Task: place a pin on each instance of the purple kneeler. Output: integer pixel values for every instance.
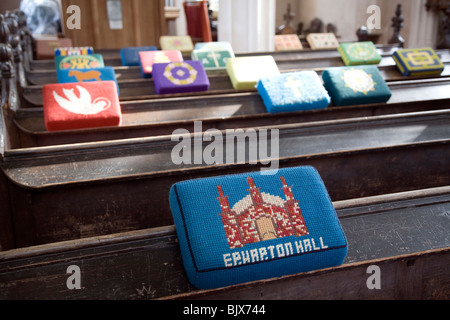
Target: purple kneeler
(180, 77)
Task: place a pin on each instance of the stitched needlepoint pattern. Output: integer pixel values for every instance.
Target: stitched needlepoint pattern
(261, 216)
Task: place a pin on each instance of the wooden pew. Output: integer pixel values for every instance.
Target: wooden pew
(112, 56)
(51, 185)
(51, 171)
(287, 60)
(285, 65)
(144, 118)
(133, 87)
(73, 191)
(404, 234)
(162, 116)
(62, 172)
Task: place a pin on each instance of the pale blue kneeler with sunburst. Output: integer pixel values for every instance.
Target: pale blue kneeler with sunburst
(246, 227)
(293, 91)
(355, 85)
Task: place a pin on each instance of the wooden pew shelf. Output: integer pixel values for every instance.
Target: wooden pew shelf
(240, 110)
(146, 264)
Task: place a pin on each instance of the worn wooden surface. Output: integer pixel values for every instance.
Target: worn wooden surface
(59, 190)
(138, 89)
(143, 23)
(298, 139)
(407, 277)
(405, 234)
(51, 188)
(132, 85)
(239, 110)
(72, 191)
(112, 56)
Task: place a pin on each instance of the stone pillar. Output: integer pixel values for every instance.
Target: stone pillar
(248, 25)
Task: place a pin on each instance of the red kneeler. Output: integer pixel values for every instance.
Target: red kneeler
(69, 106)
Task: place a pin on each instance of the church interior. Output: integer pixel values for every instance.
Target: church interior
(225, 150)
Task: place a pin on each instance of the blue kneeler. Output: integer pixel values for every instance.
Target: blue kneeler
(246, 227)
(293, 91)
(87, 75)
(130, 55)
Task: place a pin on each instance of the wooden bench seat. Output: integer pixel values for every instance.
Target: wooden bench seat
(162, 116)
(104, 191)
(404, 234)
(72, 191)
(112, 56)
(127, 73)
(58, 181)
(136, 88)
(288, 64)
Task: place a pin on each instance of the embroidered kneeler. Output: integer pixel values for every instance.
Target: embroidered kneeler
(149, 58)
(87, 61)
(293, 91)
(322, 41)
(213, 55)
(359, 53)
(355, 85)
(87, 75)
(179, 77)
(418, 62)
(245, 72)
(70, 106)
(73, 51)
(245, 227)
(287, 42)
(181, 43)
(130, 55)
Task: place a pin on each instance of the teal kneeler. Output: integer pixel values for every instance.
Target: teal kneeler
(355, 85)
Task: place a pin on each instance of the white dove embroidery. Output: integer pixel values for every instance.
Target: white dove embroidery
(83, 104)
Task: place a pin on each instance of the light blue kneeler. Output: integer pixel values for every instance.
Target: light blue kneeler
(246, 227)
(293, 91)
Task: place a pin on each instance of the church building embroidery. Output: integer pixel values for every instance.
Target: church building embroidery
(261, 216)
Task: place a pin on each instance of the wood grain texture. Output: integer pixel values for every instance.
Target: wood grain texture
(404, 234)
(143, 24)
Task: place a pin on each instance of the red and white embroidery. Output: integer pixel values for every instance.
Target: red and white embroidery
(261, 216)
(81, 104)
